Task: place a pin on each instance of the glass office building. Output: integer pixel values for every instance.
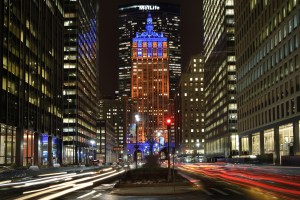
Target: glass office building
(31, 50)
(79, 89)
(220, 80)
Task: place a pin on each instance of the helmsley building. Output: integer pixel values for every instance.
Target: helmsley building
(150, 81)
(31, 51)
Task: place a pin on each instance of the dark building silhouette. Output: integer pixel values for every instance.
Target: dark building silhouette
(31, 50)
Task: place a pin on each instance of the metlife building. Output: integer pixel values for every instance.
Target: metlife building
(132, 19)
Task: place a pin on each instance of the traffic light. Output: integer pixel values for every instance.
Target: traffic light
(168, 122)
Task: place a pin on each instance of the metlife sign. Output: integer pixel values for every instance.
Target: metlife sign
(143, 7)
(148, 7)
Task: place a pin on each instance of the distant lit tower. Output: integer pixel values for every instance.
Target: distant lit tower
(79, 90)
(132, 19)
(150, 80)
(190, 111)
(220, 79)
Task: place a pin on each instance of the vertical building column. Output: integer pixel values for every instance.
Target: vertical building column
(262, 143)
(50, 154)
(296, 144)
(36, 159)
(276, 156)
(59, 150)
(240, 146)
(250, 144)
(19, 146)
(76, 152)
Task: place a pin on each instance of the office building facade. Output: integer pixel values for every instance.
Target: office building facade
(79, 90)
(114, 112)
(149, 81)
(106, 143)
(132, 19)
(31, 50)
(220, 80)
(268, 78)
(191, 112)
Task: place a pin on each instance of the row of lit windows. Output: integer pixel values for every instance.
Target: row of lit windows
(264, 34)
(275, 77)
(280, 93)
(283, 51)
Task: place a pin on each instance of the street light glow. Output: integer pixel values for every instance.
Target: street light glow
(92, 142)
(137, 118)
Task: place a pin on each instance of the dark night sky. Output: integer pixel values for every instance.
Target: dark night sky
(191, 34)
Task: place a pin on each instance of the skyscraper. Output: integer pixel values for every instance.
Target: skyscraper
(31, 50)
(149, 80)
(79, 90)
(220, 79)
(190, 111)
(268, 78)
(132, 19)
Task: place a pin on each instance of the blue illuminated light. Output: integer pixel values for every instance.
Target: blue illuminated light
(149, 36)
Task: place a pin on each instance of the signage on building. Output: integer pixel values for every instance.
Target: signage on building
(148, 7)
(142, 7)
(118, 148)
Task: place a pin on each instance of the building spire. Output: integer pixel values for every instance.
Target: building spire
(149, 25)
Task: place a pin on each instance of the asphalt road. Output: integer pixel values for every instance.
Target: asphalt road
(101, 186)
(205, 189)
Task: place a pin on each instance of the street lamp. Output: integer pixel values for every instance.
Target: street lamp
(168, 122)
(92, 142)
(137, 119)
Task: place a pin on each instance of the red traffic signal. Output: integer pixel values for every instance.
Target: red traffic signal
(168, 121)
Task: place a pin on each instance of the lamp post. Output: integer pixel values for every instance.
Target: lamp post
(137, 119)
(168, 122)
(93, 150)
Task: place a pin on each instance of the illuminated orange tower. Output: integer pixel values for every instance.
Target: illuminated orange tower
(149, 81)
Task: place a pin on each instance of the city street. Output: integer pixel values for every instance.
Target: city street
(209, 181)
(55, 185)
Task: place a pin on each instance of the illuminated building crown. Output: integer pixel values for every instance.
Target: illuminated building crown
(149, 33)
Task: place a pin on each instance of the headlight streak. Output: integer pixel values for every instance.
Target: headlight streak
(69, 184)
(45, 180)
(5, 182)
(56, 195)
(87, 194)
(52, 174)
(263, 181)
